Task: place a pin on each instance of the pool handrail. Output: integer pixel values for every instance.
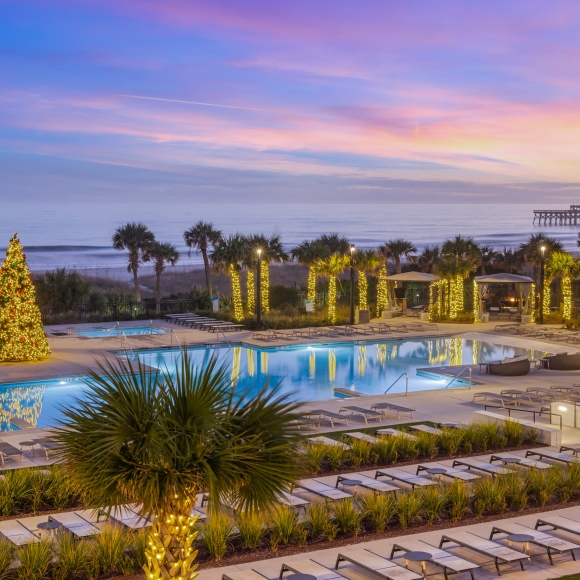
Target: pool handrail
(459, 374)
(396, 380)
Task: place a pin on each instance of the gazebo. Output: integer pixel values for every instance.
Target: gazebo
(524, 287)
(407, 277)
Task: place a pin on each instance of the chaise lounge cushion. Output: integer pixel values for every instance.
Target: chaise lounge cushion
(564, 362)
(510, 368)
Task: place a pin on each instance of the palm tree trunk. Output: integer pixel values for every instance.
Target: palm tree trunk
(265, 287)
(567, 297)
(382, 290)
(171, 552)
(158, 293)
(332, 299)
(362, 290)
(312, 286)
(207, 271)
(398, 264)
(135, 268)
(236, 294)
(251, 291)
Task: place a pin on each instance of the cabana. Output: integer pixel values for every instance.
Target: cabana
(525, 288)
(407, 277)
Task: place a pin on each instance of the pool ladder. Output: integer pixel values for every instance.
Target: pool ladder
(458, 375)
(397, 380)
(126, 346)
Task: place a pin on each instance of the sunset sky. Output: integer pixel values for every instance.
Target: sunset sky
(272, 100)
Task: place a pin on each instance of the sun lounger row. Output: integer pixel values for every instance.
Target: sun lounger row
(396, 565)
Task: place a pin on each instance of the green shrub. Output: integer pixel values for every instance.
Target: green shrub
(570, 483)
(215, 533)
(250, 528)
(283, 526)
(457, 500)
(379, 509)
(407, 448)
(360, 453)
(514, 432)
(318, 517)
(72, 557)
(336, 456)
(348, 516)
(433, 502)
(109, 548)
(35, 560)
(489, 495)
(450, 440)
(427, 444)
(139, 543)
(516, 490)
(408, 508)
(543, 483)
(6, 558)
(314, 456)
(385, 450)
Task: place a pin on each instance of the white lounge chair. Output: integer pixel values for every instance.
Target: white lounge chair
(321, 489)
(395, 433)
(17, 533)
(78, 526)
(328, 441)
(311, 567)
(376, 565)
(488, 468)
(404, 476)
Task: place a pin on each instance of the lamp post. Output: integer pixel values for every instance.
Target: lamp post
(258, 286)
(351, 284)
(542, 249)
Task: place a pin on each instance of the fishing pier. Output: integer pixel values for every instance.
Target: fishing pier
(558, 217)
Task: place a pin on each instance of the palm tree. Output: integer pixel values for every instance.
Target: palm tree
(488, 258)
(159, 438)
(136, 238)
(308, 253)
(335, 244)
(272, 251)
(564, 265)
(395, 249)
(428, 258)
(227, 257)
(161, 254)
(382, 293)
(510, 261)
(364, 261)
(201, 236)
(332, 267)
(454, 269)
(532, 250)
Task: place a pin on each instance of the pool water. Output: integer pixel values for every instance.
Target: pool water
(305, 372)
(114, 331)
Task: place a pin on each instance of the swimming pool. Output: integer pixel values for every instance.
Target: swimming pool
(306, 372)
(104, 332)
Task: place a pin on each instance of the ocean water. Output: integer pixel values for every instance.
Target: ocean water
(79, 236)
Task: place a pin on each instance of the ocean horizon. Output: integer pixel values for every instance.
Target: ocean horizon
(79, 237)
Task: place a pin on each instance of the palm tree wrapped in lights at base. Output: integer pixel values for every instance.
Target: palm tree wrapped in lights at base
(332, 267)
(159, 438)
(228, 257)
(364, 261)
(309, 253)
(564, 265)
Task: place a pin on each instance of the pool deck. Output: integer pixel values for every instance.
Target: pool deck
(73, 355)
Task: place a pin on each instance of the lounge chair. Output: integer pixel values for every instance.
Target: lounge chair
(47, 445)
(7, 451)
(510, 367)
(551, 544)
(553, 455)
(380, 328)
(450, 563)
(74, 523)
(344, 330)
(376, 565)
(322, 414)
(366, 413)
(265, 336)
(305, 421)
(290, 500)
(398, 328)
(559, 523)
(328, 441)
(401, 475)
(126, 517)
(488, 468)
(421, 326)
(362, 437)
(21, 423)
(392, 407)
(243, 575)
(329, 331)
(389, 432)
(531, 397)
(426, 429)
(17, 533)
(321, 489)
(522, 461)
(287, 335)
(310, 567)
(461, 474)
(498, 553)
(503, 399)
(308, 332)
(370, 483)
(361, 329)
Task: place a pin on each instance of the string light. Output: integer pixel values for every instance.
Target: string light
(251, 289)
(382, 290)
(22, 337)
(547, 297)
(312, 364)
(251, 362)
(332, 299)
(533, 308)
(475, 302)
(363, 287)
(236, 294)
(567, 297)
(312, 285)
(455, 296)
(265, 287)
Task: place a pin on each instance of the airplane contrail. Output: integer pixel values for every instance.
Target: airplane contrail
(223, 106)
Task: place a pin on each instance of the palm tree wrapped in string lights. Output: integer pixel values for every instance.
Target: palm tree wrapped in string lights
(309, 253)
(332, 267)
(364, 261)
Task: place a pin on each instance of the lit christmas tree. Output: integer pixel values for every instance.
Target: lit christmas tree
(22, 336)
